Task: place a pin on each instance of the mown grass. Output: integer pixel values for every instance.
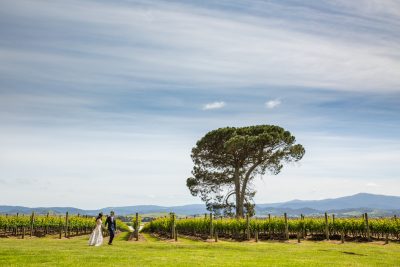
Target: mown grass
(154, 252)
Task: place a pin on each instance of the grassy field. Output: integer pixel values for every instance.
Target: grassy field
(153, 252)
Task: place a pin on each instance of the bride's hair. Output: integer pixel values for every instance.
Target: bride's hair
(100, 215)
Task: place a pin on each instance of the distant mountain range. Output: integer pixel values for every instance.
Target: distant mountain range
(375, 205)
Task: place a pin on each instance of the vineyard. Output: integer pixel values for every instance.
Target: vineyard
(142, 247)
(42, 225)
(279, 228)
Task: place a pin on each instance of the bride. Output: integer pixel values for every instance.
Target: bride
(96, 238)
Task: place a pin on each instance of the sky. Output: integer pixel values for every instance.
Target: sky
(102, 101)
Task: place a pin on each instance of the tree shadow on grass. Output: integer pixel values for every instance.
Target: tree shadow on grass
(353, 253)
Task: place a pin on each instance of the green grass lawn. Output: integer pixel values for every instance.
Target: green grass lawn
(153, 252)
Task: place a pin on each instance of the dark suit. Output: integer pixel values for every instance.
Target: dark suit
(112, 227)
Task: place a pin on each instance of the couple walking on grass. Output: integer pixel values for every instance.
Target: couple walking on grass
(96, 238)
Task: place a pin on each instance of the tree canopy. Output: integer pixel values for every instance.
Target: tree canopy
(227, 160)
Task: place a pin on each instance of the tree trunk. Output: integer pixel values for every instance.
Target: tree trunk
(239, 208)
(241, 205)
(242, 192)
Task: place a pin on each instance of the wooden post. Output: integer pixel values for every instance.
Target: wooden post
(256, 235)
(6, 228)
(60, 227)
(269, 226)
(367, 227)
(173, 225)
(15, 230)
(23, 229)
(137, 227)
(77, 228)
(66, 226)
(342, 236)
(211, 225)
(386, 238)
(286, 227)
(46, 229)
(326, 226)
(303, 228)
(298, 237)
(333, 223)
(216, 235)
(248, 226)
(32, 222)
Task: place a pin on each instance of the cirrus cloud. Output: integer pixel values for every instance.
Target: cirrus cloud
(271, 104)
(214, 105)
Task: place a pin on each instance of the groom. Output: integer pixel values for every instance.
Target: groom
(111, 226)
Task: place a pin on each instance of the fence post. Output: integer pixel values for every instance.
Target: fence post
(286, 227)
(248, 226)
(367, 227)
(6, 227)
(256, 235)
(78, 228)
(211, 225)
(269, 226)
(137, 227)
(173, 225)
(32, 222)
(23, 232)
(46, 229)
(342, 236)
(60, 227)
(16, 228)
(66, 226)
(326, 226)
(175, 231)
(216, 235)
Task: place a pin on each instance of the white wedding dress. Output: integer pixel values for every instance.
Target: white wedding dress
(96, 238)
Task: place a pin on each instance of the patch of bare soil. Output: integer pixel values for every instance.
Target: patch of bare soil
(132, 237)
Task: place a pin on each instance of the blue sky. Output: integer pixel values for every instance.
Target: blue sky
(102, 101)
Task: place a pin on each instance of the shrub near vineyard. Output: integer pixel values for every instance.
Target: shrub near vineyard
(274, 227)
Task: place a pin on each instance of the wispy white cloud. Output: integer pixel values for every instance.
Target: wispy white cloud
(371, 184)
(186, 44)
(271, 104)
(214, 105)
